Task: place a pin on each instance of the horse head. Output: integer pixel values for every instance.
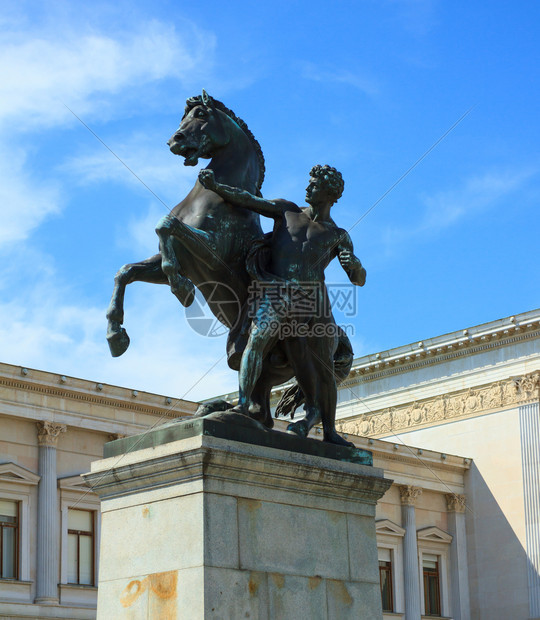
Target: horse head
(202, 131)
(207, 128)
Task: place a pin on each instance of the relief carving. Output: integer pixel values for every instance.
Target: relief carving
(505, 393)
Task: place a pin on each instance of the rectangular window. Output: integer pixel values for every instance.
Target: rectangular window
(9, 539)
(432, 589)
(385, 576)
(80, 547)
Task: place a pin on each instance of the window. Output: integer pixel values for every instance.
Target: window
(9, 539)
(433, 551)
(79, 539)
(80, 547)
(385, 576)
(390, 550)
(432, 588)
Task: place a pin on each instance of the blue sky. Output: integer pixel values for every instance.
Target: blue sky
(367, 87)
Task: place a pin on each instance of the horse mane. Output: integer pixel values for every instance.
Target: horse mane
(198, 100)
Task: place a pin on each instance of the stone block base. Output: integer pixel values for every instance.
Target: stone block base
(206, 527)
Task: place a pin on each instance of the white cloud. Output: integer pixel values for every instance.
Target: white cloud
(446, 208)
(44, 322)
(68, 60)
(480, 192)
(24, 200)
(39, 71)
(40, 329)
(318, 73)
(156, 168)
(151, 162)
(141, 235)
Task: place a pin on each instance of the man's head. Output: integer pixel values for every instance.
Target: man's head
(325, 180)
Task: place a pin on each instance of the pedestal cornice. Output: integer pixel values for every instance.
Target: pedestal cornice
(209, 460)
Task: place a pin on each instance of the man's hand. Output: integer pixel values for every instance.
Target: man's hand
(353, 267)
(207, 179)
(348, 260)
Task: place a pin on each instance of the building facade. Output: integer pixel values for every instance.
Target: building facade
(473, 392)
(453, 421)
(51, 428)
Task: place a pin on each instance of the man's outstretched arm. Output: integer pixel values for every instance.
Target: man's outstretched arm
(350, 263)
(240, 197)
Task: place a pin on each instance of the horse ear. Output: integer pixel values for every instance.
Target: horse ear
(205, 97)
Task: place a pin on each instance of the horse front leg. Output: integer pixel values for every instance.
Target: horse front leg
(148, 270)
(181, 286)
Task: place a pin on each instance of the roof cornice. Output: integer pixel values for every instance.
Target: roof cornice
(60, 386)
(488, 336)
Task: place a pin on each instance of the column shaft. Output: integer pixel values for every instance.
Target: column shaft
(48, 551)
(410, 562)
(459, 574)
(47, 534)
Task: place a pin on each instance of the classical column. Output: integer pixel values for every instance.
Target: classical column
(48, 552)
(529, 416)
(459, 574)
(411, 577)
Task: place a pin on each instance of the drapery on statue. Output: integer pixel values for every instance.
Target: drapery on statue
(206, 239)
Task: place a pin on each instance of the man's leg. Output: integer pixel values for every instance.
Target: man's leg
(259, 341)
(314, 371)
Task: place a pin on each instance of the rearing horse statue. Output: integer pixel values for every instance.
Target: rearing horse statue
(211, 238)
(204, 239)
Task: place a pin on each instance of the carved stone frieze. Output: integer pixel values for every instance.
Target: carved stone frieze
(505, 393)
(48, 433)
(409, 494)
(455, 503)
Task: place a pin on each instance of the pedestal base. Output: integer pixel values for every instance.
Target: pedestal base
(206, 527)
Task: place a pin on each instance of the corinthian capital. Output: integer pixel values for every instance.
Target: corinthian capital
(455, 503)
(408, 494)
(48, 433)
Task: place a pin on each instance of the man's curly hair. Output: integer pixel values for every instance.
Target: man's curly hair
(332, 177)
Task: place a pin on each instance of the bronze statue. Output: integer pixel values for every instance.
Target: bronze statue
(212, 238)
(303, 243)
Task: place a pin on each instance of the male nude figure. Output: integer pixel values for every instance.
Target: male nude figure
(304, 242)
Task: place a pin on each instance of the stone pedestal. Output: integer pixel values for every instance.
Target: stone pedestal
(207, 527)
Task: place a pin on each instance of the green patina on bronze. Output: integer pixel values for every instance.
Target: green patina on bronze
(214, 236)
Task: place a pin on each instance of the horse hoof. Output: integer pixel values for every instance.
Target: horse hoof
(118, 342)
(299, 428)
(184, 290)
